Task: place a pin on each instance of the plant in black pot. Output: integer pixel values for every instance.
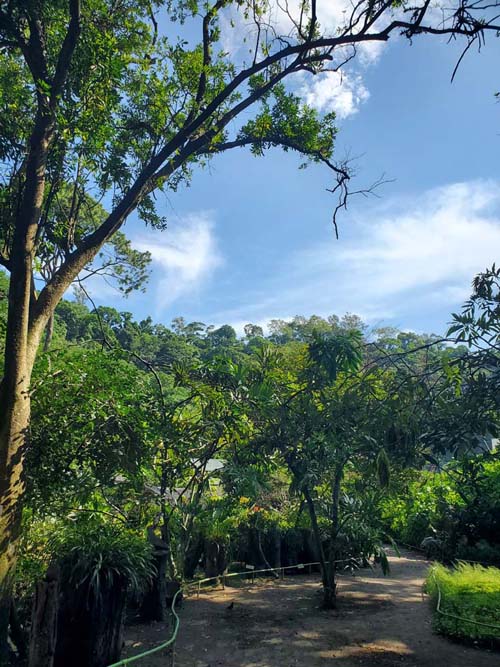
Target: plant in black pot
(100, 563)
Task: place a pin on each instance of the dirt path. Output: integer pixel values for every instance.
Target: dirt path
(381, 622)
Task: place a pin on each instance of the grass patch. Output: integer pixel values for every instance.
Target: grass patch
(469, 604)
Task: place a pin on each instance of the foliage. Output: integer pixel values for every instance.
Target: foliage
(103, 109)
(316, 428)
(459, 507)
(93, 553)
(479, 322)
(416, 513)
(35, 555)
(471, 593)
(92, 421)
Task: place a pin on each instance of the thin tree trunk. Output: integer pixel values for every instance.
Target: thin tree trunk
(339, 472)
(215, 558)
(49, 333)
(154, 604)
(263, 555)
(276, 538)
(330, 594)
(193, 555)
(166, 536)
(325, 571)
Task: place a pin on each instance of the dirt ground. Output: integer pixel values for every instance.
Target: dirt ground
(381, 622)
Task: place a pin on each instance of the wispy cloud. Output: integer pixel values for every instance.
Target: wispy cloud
(184, 257)
(441, 238)
(406, 257)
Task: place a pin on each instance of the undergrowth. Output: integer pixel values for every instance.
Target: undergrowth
(468, 593)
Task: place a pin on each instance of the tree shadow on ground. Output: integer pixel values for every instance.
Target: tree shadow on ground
(380, 621)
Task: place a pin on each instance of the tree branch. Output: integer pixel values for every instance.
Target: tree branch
(186, 143)
(66, 52)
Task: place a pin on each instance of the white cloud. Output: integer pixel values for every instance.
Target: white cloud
(341, 92)
(407, 258)
(184, 256)
(370, 52)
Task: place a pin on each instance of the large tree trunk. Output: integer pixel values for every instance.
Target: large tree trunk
(21, 342)
(20, 351)
(44, 621)
(90, 627)
(14, 424)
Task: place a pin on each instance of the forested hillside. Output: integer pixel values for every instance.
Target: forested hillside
(321, 440)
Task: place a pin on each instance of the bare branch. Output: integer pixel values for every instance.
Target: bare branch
(344, 175)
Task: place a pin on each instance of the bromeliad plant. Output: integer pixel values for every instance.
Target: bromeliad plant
(100, 563)
(96, 556)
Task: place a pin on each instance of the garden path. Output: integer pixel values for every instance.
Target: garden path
(381, 622)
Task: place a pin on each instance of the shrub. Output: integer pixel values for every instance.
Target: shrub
(92, 553)
(87, 550)
(483, 552)
(459, 507)
(422, 510)
(468, 597)
(100, 563)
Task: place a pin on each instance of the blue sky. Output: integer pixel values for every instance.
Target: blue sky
(251, 239)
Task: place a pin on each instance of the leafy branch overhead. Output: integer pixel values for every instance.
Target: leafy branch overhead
(120, 108)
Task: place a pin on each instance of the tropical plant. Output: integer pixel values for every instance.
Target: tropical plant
(99, 102)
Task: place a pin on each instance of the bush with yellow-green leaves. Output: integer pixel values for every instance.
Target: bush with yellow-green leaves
(466, 601)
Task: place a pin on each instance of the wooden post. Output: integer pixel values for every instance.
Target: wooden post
(154, 605)
(44, 620)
